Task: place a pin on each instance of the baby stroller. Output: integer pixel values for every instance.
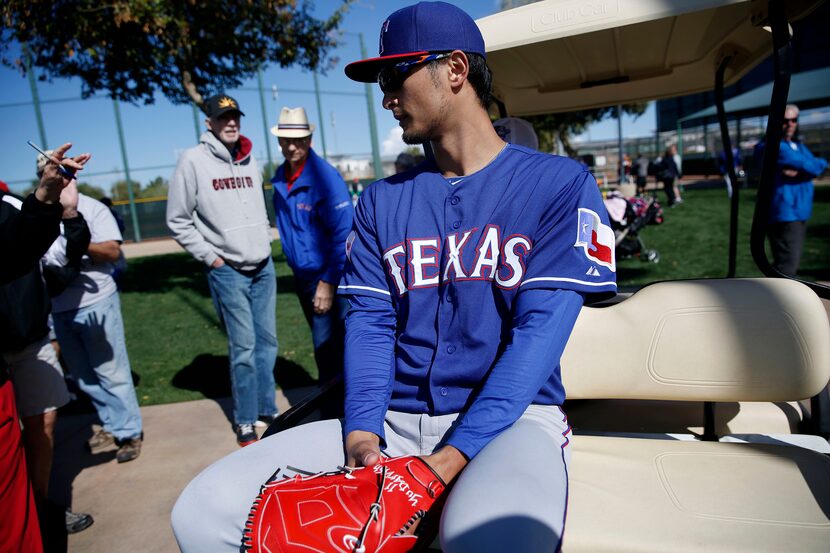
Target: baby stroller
(629, 217)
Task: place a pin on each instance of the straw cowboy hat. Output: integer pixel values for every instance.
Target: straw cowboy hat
(293, 123)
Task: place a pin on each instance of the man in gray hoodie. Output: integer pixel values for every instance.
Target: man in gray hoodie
(216, 211)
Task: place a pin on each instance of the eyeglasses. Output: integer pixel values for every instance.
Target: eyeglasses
(283, 140)
(791, 120)
(391, 78)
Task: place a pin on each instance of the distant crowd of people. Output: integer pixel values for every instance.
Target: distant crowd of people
(667, 169)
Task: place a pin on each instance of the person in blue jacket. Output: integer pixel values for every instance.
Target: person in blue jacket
(792, 202)
(314, 215)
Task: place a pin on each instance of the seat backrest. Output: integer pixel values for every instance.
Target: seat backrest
(702, 340)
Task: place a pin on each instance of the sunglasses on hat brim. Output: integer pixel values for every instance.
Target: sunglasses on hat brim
(391, 78)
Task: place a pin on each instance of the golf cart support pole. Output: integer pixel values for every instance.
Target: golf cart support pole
(709, 406)
(782, 54)
(730, 167)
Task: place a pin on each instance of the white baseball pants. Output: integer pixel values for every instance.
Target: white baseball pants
(511, 497)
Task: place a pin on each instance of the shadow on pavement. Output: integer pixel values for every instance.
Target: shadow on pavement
(209, 375)
(72, 430)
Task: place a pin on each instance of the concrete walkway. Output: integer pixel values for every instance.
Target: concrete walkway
(131, 502)
(160, 246)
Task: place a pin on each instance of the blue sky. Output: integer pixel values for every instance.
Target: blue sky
(155, 134)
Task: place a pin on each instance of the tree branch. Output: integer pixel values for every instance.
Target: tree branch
(190, 88)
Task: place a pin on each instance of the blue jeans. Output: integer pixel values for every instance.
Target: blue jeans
(327, 330)
(246, 303)
(93, 346)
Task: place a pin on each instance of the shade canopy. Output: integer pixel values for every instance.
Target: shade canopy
(807, 89)
(568, 55)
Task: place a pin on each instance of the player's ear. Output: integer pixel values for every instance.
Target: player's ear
(459, 68)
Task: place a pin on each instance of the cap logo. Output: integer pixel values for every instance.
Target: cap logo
(226, 102)
(383, 30)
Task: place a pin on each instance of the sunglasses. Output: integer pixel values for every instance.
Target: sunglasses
(791, 120)
(391, 78)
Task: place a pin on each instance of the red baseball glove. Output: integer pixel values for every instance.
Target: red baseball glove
(362, 510)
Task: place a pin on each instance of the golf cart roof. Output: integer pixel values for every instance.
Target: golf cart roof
(568, 55)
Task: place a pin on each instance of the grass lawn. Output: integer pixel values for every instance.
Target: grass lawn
(694, 240)
(179, 352)
(176, 346)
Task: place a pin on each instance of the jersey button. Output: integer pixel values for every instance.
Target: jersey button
(455, 200)
(444, 392)
(456, 224)
(450, 349)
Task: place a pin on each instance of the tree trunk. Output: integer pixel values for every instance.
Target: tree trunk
(190, 88)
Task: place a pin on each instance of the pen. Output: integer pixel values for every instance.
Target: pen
(61, 169)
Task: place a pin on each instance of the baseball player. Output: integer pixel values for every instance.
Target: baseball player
(465, 276)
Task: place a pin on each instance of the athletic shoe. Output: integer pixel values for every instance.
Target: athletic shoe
(100, 441)
(128, 450)
(245, 434)
(75, 522)
(264, 421)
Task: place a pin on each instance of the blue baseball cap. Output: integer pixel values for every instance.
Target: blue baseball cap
(416, 30)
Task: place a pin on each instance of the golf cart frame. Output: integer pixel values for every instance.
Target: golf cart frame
(752, 345)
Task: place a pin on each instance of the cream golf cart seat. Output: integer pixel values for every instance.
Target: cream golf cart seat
(757, 340)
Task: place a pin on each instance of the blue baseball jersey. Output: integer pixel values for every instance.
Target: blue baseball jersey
(450, 259)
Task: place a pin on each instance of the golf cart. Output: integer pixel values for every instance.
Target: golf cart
(699, 421)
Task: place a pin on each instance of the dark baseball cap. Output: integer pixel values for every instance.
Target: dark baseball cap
(219, 104)
(416, 30)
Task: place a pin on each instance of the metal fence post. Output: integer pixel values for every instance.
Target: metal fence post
(320, 114)
(620, 149)
(196, 112)
(133, 214)
(373, 130)
(264, 120)
(27, 56)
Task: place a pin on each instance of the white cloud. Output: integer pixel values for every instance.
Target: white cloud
(393, 144)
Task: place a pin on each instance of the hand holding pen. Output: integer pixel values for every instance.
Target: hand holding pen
(59, 173)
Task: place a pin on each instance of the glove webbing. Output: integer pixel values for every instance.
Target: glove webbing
(374, 510)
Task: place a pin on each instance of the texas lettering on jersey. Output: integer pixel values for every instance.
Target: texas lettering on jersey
(493, 259)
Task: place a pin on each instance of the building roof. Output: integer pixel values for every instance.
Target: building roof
(807, 89)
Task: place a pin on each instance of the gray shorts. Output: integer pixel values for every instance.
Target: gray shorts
(511, 497)
(37, 379)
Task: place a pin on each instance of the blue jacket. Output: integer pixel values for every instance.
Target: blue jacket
(314, 219)
(793, 198)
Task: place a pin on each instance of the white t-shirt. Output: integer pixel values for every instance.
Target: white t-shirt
(95, 281)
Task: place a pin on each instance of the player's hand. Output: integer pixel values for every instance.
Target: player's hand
(447, 462)
(69, 200)
(362, 449)
(218, 262)
(323, 297)
(792, 173)
(53, 182)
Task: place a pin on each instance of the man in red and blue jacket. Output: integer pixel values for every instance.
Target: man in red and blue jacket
(314, 215)
(792, 203)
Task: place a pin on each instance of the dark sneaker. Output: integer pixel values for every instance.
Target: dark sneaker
(75, 522)
(128, 450)
(264, 421)
(100, 441)
(245, 434)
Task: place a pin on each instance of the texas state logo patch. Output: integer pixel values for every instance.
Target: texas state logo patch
(596, 240)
